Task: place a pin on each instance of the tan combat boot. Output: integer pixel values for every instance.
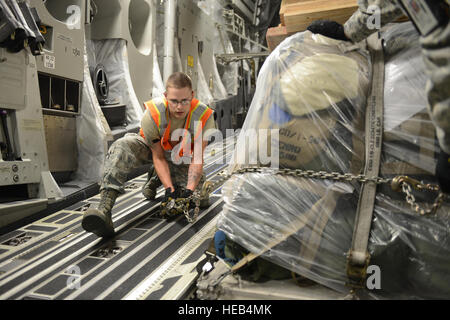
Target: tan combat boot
(152, 184)
(99, 220)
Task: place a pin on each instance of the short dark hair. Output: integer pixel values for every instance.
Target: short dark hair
(179, 80)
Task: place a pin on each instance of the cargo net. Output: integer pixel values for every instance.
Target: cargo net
(314, 90)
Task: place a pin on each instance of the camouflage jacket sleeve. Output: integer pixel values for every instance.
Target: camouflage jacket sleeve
(370, 17)
(435, 51)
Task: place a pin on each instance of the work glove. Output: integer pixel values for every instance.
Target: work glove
(168, 202)
(443, 172)
(174, 203)
(178, 205)
(328, 28)
(170, 195)
(185, 193)
(181, 199)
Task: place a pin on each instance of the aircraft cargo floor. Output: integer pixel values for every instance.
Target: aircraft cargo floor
(148, 258)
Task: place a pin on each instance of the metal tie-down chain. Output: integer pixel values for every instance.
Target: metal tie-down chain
(176, 206)
(399, 183)
(407, 184)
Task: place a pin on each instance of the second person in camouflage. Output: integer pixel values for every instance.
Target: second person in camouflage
(435, 52)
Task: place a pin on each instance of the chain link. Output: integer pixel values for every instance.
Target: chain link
(196, 200)
(411, 200)
(336, 176)
(399, 183)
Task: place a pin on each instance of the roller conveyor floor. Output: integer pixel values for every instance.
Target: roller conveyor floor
(148, 258)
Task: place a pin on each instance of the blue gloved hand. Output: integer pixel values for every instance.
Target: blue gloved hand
(328, 28)
(220, 241)
(443, 172)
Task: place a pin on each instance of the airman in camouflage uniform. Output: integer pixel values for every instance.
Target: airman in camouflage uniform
(132, 151)
(155, 145)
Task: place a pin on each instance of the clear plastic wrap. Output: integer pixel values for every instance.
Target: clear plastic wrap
(405, 75)
(410, 142)
(315, 93)
(220, 92)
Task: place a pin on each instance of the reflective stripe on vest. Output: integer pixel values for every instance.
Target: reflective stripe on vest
(155, 112)
(159, 113)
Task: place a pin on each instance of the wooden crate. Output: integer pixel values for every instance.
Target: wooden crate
(275, 36)
(297, 15)
(284, 7)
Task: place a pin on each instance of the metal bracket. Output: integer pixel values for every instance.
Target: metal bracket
(356, 273)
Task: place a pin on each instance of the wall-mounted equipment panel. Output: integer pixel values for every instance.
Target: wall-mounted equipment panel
(62, 26)
(13, 84)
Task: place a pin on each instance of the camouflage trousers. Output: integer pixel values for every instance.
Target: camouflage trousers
(131, 152)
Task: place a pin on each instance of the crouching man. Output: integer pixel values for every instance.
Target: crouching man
(172, 139)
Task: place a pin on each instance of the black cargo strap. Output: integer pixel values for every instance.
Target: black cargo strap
(358, 257)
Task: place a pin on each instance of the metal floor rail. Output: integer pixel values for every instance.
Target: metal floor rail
(148, 258)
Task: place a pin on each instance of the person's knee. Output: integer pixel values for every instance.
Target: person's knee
(124, 142)
(118, 145)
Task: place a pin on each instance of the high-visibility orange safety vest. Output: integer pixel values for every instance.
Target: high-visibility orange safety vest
(160, 114)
